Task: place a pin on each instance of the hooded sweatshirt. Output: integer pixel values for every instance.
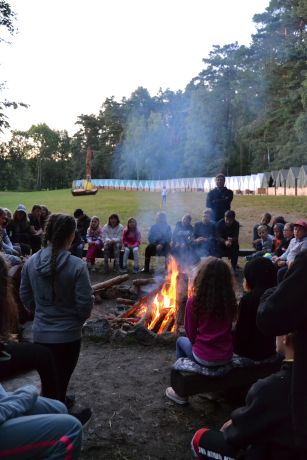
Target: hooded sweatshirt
(60, 311)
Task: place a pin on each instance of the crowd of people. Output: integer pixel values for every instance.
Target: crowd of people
(55, 290)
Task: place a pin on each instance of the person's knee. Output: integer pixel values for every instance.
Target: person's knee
(48, 406)
(196, 448)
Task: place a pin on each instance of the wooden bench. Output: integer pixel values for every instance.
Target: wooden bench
(246, 252)
(187, 383)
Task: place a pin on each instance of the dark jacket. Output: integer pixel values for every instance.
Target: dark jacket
(160, 234)
(83, 224)
(283, 310)
(263, 426)
(219, 200)
(247, 338)
(183, 235)
(224, 231)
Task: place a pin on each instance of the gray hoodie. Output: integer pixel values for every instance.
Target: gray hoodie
(59, 313)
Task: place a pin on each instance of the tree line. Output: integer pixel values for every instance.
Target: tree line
(245, 112)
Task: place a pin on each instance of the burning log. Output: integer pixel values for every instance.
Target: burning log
(112, 282)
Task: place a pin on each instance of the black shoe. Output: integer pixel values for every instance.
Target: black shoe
(70, 401)
(84, 416)
(145, 270)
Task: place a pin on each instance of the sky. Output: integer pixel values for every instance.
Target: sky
(70, 55)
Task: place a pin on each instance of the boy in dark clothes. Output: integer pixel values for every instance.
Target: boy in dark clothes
(204, 235)
(227, 232)
(259, 275)
(262, 429)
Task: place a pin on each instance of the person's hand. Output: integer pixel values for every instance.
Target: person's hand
(200, 239)
(226, 425)
(228, 243)
(274, 258)
(281, 263)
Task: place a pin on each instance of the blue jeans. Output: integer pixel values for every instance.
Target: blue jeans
(45, 432)
(184, 348)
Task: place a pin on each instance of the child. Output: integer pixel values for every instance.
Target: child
(259, 274)
(131, 241)
(278, 239)
(264, 243)
(264, 220)
(94, 239)
(208, 319)
(112, 236)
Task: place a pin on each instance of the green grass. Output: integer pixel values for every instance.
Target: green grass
(144, 205)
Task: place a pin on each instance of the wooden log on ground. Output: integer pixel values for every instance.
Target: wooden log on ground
(111, 282)
(143, 281)
(125, 301)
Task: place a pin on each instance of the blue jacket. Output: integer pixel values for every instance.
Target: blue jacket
(160, 234)
(60, 311)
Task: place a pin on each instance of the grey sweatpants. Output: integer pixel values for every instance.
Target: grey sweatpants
(46, 432)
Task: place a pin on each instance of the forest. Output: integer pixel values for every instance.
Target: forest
(245, 112)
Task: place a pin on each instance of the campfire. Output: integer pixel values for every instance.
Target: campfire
(159, 310)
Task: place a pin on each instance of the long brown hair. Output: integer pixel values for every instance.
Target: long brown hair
(213, 292)
(8, 306)
(58, 229)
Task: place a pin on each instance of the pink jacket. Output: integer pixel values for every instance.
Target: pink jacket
(211, 337)
(132, 240)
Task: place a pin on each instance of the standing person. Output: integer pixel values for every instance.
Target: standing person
(112, 235)
(131, 242)
(159, 238)
(56, 285)
(36, 228)
(227, 234)
(209, 314)
(94, 239)
(281, 311)
(164, 194)
(219, 199)
(205, 235)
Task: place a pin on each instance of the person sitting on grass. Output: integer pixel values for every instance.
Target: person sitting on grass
(112, 236)
(264, 243)
(131, 242)
(262, 429)
(94, 239)
(209, 315)
(264, 220)
(259, 275)
(159, 238)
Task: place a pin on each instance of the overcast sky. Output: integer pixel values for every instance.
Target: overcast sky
(69, 55)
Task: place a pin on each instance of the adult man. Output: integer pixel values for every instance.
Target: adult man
(262, 429)
(204, 235)
(227, 231)
(159, 238)
(219, 199)
(297, 244)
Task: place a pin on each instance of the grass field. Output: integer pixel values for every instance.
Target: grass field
(144, 205)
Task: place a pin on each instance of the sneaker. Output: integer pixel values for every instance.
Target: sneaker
(84, 416)
(172, 395)
(136, 270)
(145, 270)
(94, 269)
(123, 270)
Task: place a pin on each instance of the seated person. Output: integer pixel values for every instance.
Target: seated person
(6, 247)
(262, 429)
(264, 220)
(131, 242)
(204, 235)
(33, 427)
(209, 314)
(45, 213)
(36, 228)
(264, 243)
(183, 236)
(288, 235)
(259, 275)
(277, 220)
(112, 237)
(278, 238)
(159, 238)
(20, 229)
(94, 239)
(83, 223)
(227, 234)
(297, 244)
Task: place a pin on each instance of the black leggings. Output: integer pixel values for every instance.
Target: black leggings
(208, 444)
(27, 357)
(65, 357)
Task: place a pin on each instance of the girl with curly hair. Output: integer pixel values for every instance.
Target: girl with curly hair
(209, 315)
